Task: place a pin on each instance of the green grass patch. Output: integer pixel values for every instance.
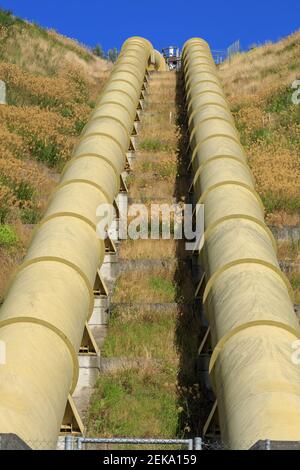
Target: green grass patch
(294, 66)
(133, 403)
(45, 152)
(147, 166)
(18, 96)
(147, 337)
(276, 202)
(30, 215)
(145, 287)
(279, 102)
(295, 282)
(67, 112)
(138, 400)
(261, 134)
(25, 191)
(8, 235)
(153, 145)
(79, 125)
(163, 286)
(161, 170)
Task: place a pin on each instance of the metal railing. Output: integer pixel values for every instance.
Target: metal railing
(77, 443)
(219, 56)
(233, 49)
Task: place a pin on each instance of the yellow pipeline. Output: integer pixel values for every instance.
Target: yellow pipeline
(247, 299)
(159, 62)
(51, 297)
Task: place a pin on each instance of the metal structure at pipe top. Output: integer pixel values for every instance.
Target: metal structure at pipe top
(51, 297)
(247, 299)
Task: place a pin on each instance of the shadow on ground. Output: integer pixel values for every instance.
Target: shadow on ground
(192, 400)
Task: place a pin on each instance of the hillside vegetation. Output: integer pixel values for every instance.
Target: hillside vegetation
(52, 83)
(259, 88)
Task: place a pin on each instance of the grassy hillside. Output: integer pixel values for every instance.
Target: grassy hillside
(258, 85)
(52, 84)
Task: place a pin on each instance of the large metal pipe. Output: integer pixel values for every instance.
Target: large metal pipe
(51, 297)
(159, 62)
(248, 301)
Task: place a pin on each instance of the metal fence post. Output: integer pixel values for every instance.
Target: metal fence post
(2, 92)
(68, 442)
(197, 443)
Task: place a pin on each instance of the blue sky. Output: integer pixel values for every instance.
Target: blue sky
(164, 23)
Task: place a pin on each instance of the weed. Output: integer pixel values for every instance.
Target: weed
(295, 282)
(79, 125)
(24, 191)
(67, 112)
(8, 235)
(30, 215)
(280, 101)
(261, 134)
(45, 152)
(275, 202)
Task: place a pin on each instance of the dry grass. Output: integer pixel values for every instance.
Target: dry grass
(155, 169)
(281, 218)
(147, 249)
(258, 71)
(47, 52)
(158, 132)
(52, 83)
(156, 286)
(289, 250)
(8, 263)
(258, 86)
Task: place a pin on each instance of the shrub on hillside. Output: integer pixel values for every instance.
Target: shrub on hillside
(8, 235)
(6, 18)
